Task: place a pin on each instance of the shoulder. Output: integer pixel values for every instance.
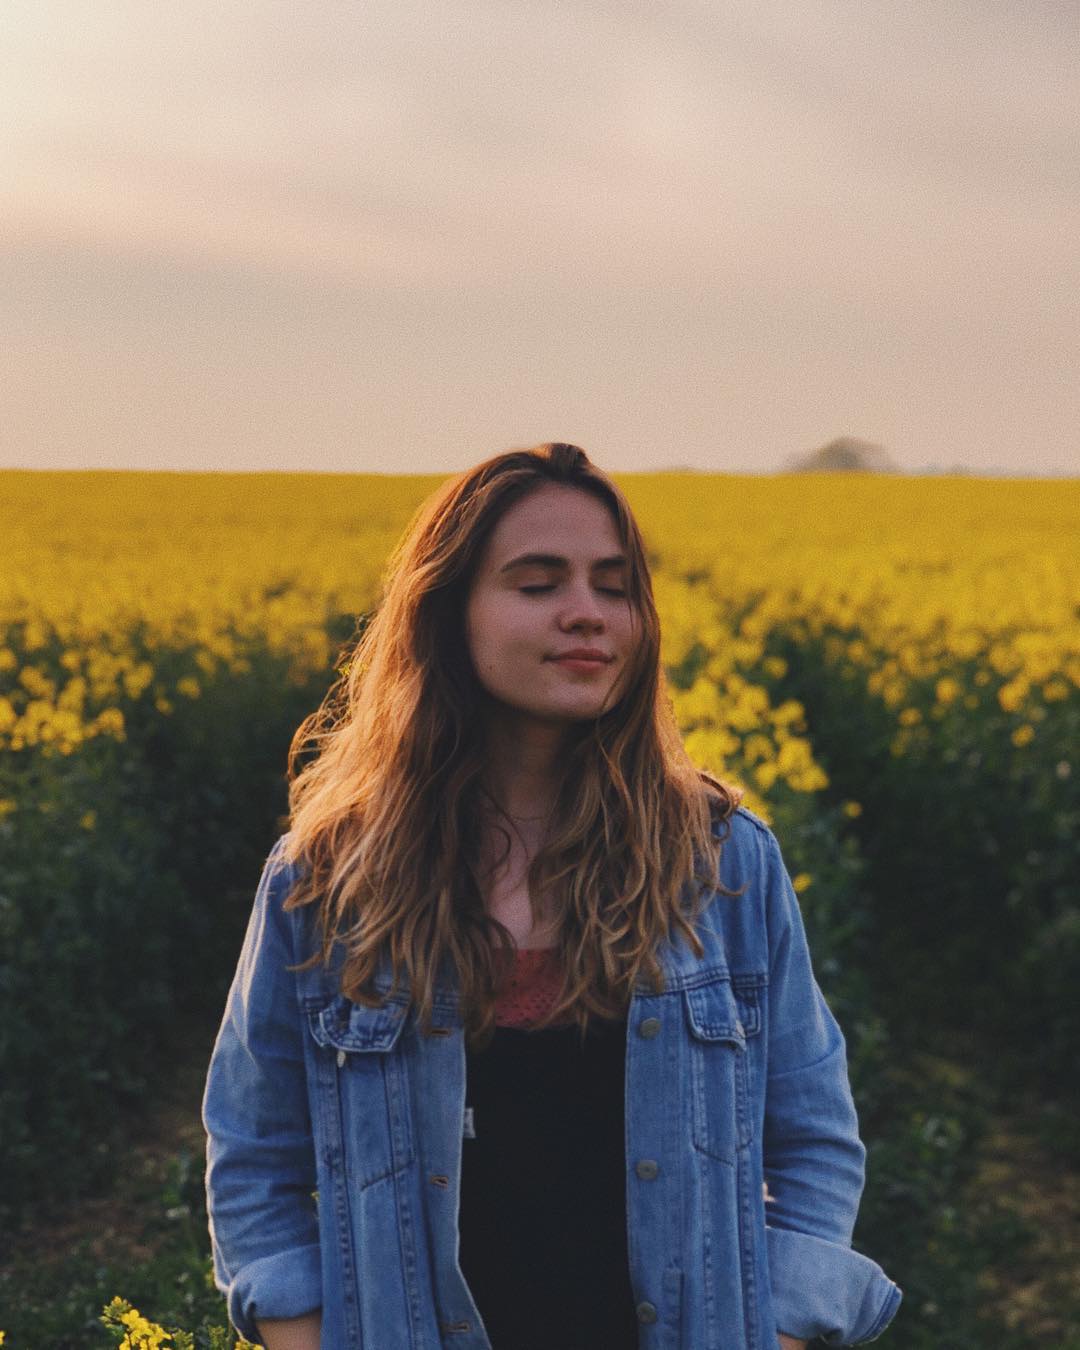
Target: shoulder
(762, 826)
(284, 865)
(749, 821)
(746, 840)
(280, 873)
(279, 851)
(298, 927)
(278, 877)
(740, 916)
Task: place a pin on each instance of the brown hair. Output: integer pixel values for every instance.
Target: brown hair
(386, 815)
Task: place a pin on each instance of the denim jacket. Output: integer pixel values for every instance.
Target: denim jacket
(334, 1140)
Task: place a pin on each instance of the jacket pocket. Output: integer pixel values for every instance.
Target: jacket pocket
(360, 1110)
(721, 1020)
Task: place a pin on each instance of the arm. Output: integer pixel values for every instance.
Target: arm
(260, 1156)
(813, 1157)
(295, 1333)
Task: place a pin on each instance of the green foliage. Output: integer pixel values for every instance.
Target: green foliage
(132, 1331)
(59, 1303)
(963, 949)
(972, 850)
(126, 874)
(945, 910)
(84, 994)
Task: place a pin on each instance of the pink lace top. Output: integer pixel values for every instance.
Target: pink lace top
(529, 989)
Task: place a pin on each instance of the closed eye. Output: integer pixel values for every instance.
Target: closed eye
(536, 590)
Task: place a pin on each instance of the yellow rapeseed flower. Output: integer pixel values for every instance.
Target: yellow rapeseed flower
(700, 704)
(1011, 695)
(801, 881)
(766, 774)
(946, 690)
(110, 722)
(1023, 735)
(36, 682)
(757, 747)
(858, 651)
(140, 1333)
(894, 691)
(788, 713)
(749, 708)
(711, 747)
(34, 636)
(101, 615)
(136, 679)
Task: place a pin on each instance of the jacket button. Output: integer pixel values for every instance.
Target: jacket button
(647, 1169)
(341, 1059)
(649, 1028)
(646, 1312)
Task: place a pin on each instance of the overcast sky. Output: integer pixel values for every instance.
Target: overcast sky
(391, 235)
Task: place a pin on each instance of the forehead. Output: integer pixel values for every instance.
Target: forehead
(554, 518)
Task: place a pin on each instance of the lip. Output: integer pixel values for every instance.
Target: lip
(582, 665)
(583, 655)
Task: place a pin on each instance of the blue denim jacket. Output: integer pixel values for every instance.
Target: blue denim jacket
(334, 1141)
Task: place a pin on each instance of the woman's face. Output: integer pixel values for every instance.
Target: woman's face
(552, 580)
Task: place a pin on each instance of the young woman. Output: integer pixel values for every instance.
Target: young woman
(524, 1048)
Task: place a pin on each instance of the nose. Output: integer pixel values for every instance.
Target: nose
(582, 609)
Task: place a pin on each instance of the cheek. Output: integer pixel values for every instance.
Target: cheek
(495, 637)
(632, 631)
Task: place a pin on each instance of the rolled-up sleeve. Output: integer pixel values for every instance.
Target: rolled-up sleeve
(260, 1160)
(814, 1160)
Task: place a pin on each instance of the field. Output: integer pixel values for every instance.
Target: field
(889, 666)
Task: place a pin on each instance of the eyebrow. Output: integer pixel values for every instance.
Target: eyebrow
(556, 560)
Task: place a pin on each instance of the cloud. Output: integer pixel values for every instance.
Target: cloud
(778, 193)
(482, 143)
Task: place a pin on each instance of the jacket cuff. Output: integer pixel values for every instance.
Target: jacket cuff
(287, 1284)
(824, 1289)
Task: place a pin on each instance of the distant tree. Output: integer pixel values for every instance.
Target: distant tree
(844, 454)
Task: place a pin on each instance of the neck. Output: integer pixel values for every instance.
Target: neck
(523, 767)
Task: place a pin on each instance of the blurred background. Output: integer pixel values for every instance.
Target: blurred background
(803, 278)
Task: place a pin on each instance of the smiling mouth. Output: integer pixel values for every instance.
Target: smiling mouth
(584, 664)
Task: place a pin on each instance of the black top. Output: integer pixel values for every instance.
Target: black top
(543, 1189)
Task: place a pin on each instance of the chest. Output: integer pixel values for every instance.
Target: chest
(608, 1150)
(505, 892)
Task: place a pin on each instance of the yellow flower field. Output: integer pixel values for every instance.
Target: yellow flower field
(808, 621)
(949, 584)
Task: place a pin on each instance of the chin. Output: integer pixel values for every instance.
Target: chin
(564, 713)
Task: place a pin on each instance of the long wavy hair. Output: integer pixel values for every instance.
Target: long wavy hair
(385, 815)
